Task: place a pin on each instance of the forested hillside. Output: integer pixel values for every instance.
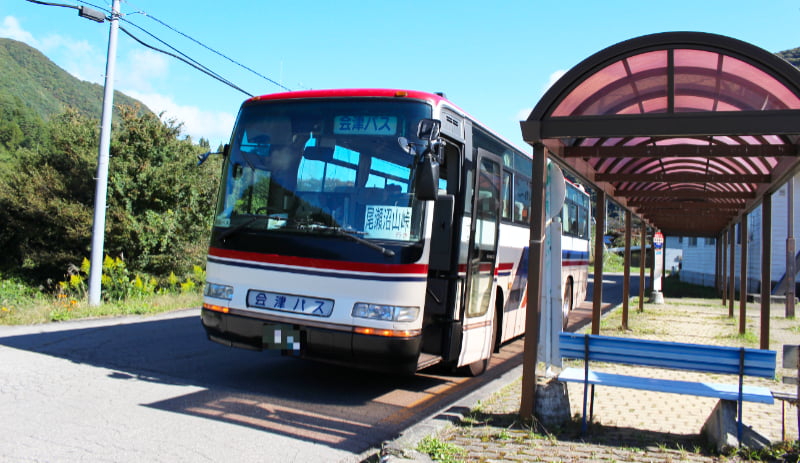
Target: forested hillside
(46, 88)
(792, 56)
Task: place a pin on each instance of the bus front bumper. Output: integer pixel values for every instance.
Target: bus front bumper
(344, 347)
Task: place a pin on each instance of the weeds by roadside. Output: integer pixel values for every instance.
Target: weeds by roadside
(122, 294)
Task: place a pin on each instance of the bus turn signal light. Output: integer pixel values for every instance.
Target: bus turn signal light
(217, 308)
(386, 333)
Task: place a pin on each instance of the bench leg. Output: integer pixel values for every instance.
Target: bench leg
(583, 422)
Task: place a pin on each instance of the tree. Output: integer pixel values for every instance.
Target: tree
(43, 198)
(159, 203)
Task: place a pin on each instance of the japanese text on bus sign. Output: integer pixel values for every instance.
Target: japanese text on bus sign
(388, 222)
(365, 125)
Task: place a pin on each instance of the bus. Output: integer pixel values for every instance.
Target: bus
(575, 216)
(375, 228)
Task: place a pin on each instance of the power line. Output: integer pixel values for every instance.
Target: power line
(186, 60)
(144, 13)
(215, 51)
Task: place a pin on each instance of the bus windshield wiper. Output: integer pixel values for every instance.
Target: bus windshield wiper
(351, 234)
(235, 229)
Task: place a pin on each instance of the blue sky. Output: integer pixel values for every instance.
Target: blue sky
(494, 61)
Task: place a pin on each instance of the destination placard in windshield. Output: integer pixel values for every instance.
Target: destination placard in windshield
(365, 125)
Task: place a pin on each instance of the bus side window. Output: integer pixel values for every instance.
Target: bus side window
(522, 199)
(506, 211)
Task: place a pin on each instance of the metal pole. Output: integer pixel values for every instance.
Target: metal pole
(791, 271)
(101, 187)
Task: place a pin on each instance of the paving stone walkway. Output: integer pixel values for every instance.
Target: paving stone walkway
(637, 426)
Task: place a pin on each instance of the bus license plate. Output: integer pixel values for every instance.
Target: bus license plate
(290, 303)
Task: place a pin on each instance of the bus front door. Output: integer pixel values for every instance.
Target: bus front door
(479, 315)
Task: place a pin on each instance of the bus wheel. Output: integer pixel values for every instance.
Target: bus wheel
(566, 306)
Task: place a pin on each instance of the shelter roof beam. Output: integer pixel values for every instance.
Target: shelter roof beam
(697, 195)
(692, 151)
(773, 122)
(683, 178)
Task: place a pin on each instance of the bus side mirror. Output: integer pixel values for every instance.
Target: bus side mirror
(429, 129)
(201, 158)
(426, 182)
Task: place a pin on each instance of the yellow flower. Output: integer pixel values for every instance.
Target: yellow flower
(6, 309)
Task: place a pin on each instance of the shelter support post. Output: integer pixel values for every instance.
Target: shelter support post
(626, 281)
(642, 262)
(743, 278)
(791, 271)
(600, 226)
(718, 264)
(535, 272)
(651, 285)
(766, 278)
(732, 276)
(724, 252)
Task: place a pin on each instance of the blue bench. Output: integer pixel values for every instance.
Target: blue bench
(671, 355)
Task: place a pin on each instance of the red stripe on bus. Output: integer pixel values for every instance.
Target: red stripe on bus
(319, 263)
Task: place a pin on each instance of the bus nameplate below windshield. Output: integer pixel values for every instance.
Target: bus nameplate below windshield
(290, 303)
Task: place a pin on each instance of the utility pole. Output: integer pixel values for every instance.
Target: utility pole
(101, 187)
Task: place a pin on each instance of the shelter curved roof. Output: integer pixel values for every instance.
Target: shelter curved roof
(689, 130)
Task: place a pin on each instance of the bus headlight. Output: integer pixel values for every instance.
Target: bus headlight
(218, 291)
(385, 312)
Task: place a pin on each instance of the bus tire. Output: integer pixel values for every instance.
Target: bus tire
(566, 305)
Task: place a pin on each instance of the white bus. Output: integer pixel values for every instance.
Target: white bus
(375, 228)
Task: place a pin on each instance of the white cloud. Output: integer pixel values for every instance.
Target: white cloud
(140, 68)
(523, 113)
(10, 28)
(553, 79)
(213, 126)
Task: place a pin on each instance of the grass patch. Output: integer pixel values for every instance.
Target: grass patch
(440, 450)
(123, 293)
(42, 309)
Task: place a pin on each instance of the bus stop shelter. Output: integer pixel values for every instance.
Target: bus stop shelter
(688, 131)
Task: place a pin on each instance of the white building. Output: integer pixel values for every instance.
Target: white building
(699, 254)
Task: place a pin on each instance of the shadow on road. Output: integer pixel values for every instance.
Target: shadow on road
(342, 408)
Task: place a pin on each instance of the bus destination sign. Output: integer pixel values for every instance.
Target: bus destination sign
(365, 125)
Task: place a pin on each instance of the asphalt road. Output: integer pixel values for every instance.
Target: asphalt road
(154, 389)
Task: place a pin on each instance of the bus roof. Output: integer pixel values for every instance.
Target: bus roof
(353, 92)
(432, 98)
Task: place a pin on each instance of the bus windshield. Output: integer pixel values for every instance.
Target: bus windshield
(323, 167)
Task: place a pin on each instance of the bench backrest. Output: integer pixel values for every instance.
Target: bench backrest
(677, 356)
